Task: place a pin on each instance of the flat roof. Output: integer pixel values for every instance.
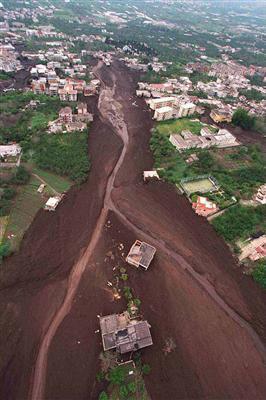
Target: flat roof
(123, 334)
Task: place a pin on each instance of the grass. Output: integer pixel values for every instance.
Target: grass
(177, 126)
(58, 183)
(27, 203)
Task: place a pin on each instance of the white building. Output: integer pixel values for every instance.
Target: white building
(185, 110)
(163, 113)
(10, 150)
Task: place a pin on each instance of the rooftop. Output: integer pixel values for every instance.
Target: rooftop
(123, 334)
(141, 254)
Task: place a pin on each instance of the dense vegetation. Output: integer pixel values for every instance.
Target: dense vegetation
(65, 154)
(259, 273)
(243, 119)
(240, 222)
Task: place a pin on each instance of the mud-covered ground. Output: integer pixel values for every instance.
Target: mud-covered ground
(193, 294)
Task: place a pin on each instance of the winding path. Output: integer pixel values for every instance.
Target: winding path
(111, 113)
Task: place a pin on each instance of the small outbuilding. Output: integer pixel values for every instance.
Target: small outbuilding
(52, 203)
(124, 334)
(150, 175)
(141, 254)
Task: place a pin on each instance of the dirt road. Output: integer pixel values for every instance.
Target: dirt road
(193, 295)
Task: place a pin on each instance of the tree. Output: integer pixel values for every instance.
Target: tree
(21, 176)
(259, 273)
(242, 119)
(4, 250)
(117, 376)
(103, 396)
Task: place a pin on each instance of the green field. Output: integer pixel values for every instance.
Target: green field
(178, 125)
(58, 183)
(27, 203)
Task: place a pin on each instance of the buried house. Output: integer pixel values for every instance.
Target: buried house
(141, 254)
(124, 334)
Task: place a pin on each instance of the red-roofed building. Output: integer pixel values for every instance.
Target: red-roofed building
(204, 207)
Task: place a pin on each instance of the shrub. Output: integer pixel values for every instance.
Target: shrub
(146, 369)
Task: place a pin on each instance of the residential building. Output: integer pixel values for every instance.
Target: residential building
(141, 254)
(185, 110)
(124, 334)
(162, 102)
(255, 249)
(68, 93)
(163, 113)
(66, 115)
(204, 207)
(12, 150)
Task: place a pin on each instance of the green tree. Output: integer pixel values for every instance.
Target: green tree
(146, 369)
(117, 376)
(4, 250)
(242, 119)
(259, 273)
(21, 176)
(103, 396)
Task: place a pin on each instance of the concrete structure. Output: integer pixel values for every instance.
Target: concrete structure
(261, 194)
(65, 115)
(255, 249)
(187, 140)
(10, 150)
(162, 102)
(163, 113)
(52, 203)
(150, 175)
(141, 254)
(204, 207)
(124, 334)
(185, 110)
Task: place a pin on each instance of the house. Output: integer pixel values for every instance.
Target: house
(255, 249)
(65, 115)
(204, 207)
(124, 334)
(83, 114)
(150, 175)
(141, 254)
(68, 93)
(186, 140)
(219, 116)
(82, 109)
(163, 113)
(261, 194)
(10, 150)
(52, 203)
